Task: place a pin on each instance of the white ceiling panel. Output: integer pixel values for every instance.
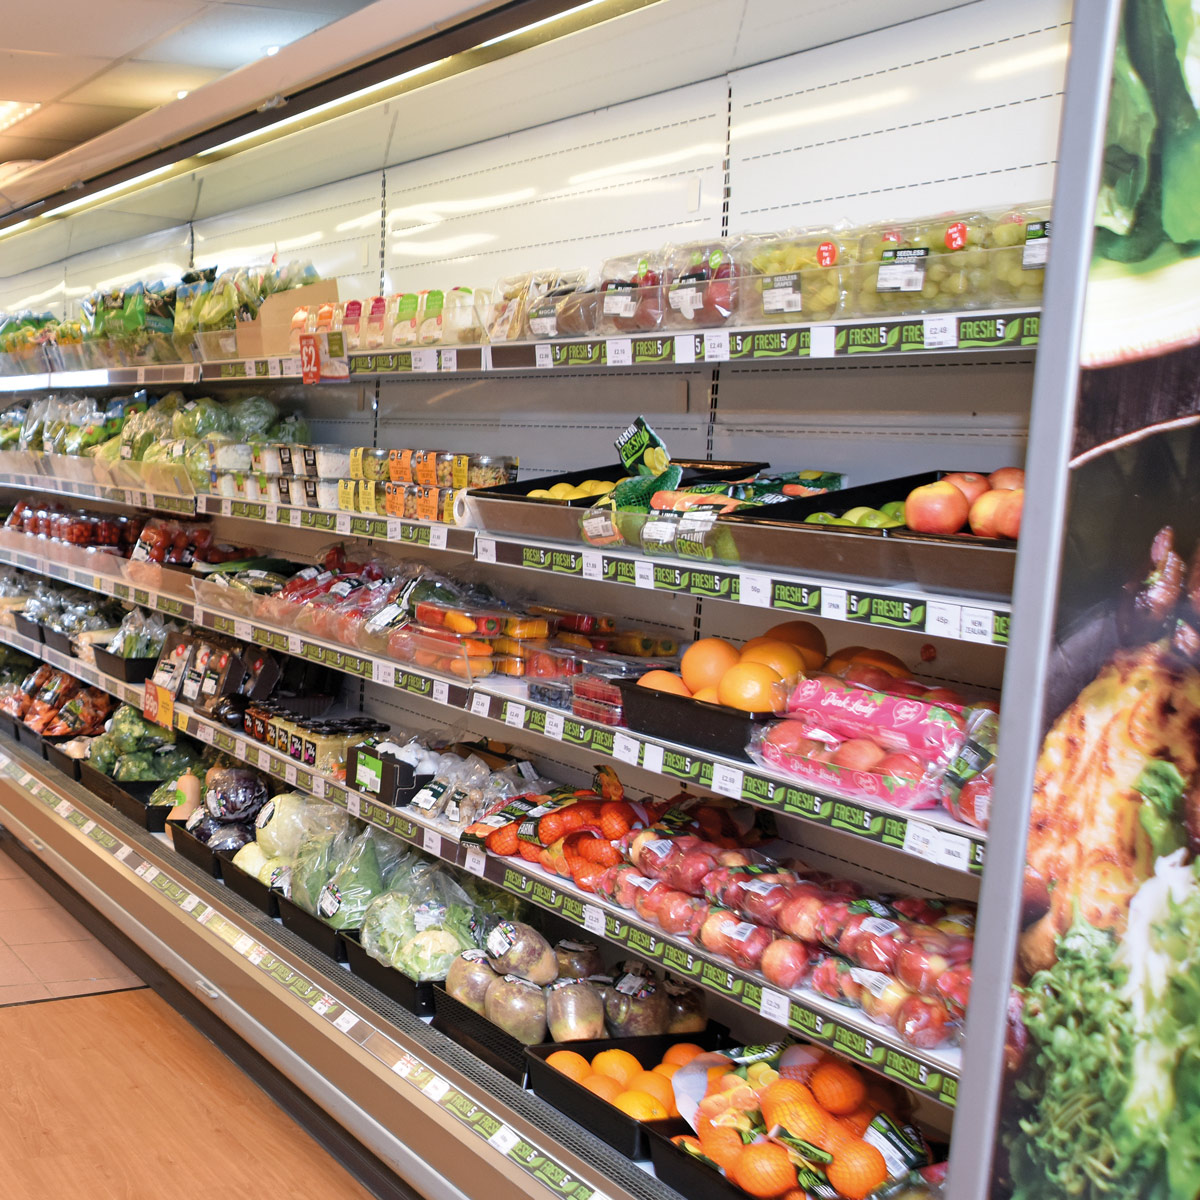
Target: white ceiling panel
(142, 84)
(42, 77)
(231, 35)
(83, 27)
(73, 122)
(14, 149)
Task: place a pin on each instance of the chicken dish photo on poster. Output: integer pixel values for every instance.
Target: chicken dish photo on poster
(1102, 1093)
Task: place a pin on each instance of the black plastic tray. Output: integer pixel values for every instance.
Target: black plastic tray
(674, 718)
(64, 762)
(246, 886)
(477, 1034)
(130, 799)
(193, 849)
(687, 1175)
(312, 929)
(408, 993)
(694, 470)
(57, 641)
(609, 1124)
(131, 670)
(27, 627)
(8, 726)
(30, 740)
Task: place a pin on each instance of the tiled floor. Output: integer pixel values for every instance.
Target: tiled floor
(45, 954)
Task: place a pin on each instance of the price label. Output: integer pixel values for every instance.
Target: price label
(205, 734)
(257, 955)
(593, 918)
(190, 902)
(264, 760)
(822, 341)
(554, 725)
(318, 786)
(383, 672)
(86, 827)
(342, 522)
(475, 862)
(310, 358)
(944, 620)
(833, 603)
(141, 375)
(158, 705)
(485, 550)
(404, 1065)
(272, 515)
(437, 537)
(248, 367)
(953, 850)
(294, 644)
(289, 774)
(345, 1022)
(149, 874)
(424, 360)
(716, 345)
(244, 944)
(503, 1139)
(774, 1006)
(441, 691)
(976, 626)
(395, 528)
(593, 565)
(226, 507)
(353, 803)
(243, 631)
(273, 368)
(64, 810)
(727, 781)
(431, 842)
(436, 1088)
(124, 852)
(240, 748)
(449, 360)
(480, 704)
(514, 714)
(755, 589)
(920, 839)
(652, 757)
(643, 573)
(626, 748)
(619, 352)
(940, 332)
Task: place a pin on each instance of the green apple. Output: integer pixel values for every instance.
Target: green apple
(895, 509)
(873, 519)
(821, 518)
(854, 515)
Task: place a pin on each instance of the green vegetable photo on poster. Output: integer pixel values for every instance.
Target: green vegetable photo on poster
(1102, 1098)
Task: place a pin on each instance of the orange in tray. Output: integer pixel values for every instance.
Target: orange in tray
(681, 1053)
(641, 1106)
(603, 1086)
(658, 1087)
(617, 1064)
(722, 1143)
(857, 1170)
(573, 1065)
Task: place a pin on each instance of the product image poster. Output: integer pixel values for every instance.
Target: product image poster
(1102, 1087)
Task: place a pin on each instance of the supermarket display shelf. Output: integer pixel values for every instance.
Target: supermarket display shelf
(852, 338)
(349, 1023)
(148, 597)
(89, 490)
(963, 618)
(929, 835)
(104, 377)
(804, 1012)
(426, 534)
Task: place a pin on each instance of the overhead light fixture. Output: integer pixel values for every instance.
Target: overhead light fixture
(12, 111)
(271, 51)
(180, 95)
(562, 16)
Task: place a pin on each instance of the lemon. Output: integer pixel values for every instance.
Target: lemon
(561, 491)
(656, 459)
(598, 487)
(539, 494)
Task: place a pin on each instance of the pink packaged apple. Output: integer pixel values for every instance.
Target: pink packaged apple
(897, 722)
(858, 767)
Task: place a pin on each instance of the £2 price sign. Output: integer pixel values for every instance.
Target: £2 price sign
(310, 358)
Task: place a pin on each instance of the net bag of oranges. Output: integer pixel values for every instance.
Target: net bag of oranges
(792, 1116)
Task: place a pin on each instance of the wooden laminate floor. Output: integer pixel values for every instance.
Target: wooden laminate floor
(112, 1095)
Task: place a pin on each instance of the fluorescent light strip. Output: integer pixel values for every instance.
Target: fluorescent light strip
(12, 111)
(562, 16)
(92, 197)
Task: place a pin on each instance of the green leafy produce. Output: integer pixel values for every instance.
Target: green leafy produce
(1131, 125)
(352, 886)
(137, 767)
(315, 864)
(200, 418)
(251, 417)
(103, 754)
(131, 732)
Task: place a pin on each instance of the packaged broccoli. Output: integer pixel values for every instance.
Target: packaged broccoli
(103, 754)
(131, 732)
(137, 767)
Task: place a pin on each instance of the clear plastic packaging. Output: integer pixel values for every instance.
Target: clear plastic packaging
(328, 461)
(797, 275)
(368, 462)
(1020, 250)
(440, 650)
(327, 493)
(460, 317)
(935, 265)
(483, 470)
(632, 294)
(403, 319)
(597, 710)
(703, 284)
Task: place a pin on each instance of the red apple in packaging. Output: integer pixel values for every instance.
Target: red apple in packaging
(785, 963)
(646, 902)
(1008, 513)
(747, 944)
(921, 963)
(923, 1023)
(764, 897)
(801, 914)
(681, 914)
(902, 766)
(702, 281)
(858, 754)
(631, 294)
(936, 508)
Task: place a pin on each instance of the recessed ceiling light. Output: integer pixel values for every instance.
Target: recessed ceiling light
(271, 51)
(180, 95)
(12, 111)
